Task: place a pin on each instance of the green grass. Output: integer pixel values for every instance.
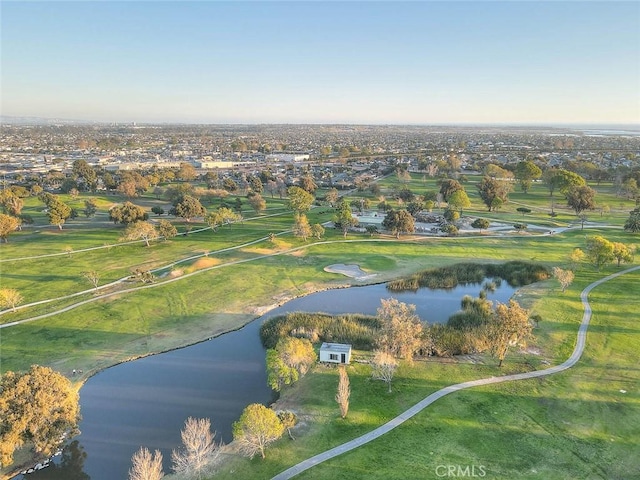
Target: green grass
(528, 431)
(576, 424)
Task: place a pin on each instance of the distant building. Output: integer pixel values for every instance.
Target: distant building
(335, 353)
(287, 157)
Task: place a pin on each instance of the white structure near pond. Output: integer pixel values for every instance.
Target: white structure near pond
(335, 353)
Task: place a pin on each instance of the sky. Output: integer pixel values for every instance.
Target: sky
(419, 62)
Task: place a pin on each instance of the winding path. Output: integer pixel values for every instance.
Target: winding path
(418, 407)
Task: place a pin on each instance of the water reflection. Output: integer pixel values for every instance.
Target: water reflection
(145, 403)
(69, 466)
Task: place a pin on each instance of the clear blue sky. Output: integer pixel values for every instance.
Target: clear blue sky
(315, 62)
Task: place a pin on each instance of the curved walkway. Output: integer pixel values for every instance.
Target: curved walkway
(418, 407)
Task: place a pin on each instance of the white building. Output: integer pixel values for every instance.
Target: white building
(287, 157)
(335, 353)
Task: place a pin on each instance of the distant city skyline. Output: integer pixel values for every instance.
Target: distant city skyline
(322, 62)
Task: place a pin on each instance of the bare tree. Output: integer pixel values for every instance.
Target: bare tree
(565, 277)
(384, 367)
(146, 466)
(199, 449)
(93, 277)
(344, 392)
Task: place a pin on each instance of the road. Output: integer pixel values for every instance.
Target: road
(418, 407)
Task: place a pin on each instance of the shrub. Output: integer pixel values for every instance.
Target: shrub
(358, 330)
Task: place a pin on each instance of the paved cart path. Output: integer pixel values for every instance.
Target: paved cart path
(418, 407)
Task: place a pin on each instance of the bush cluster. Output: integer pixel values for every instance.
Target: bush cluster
(516, 274)
(357, 330)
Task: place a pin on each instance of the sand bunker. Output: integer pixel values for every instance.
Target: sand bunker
(353, 271)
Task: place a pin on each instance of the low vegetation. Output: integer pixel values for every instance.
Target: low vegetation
(516, 273)
(357, 330)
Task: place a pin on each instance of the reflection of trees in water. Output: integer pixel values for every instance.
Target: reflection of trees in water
(68, 468)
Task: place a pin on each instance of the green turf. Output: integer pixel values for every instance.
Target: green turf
(539, 429)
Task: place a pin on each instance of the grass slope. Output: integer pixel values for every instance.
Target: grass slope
(577, 424)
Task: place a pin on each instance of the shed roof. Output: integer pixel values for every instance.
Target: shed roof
(336, 347)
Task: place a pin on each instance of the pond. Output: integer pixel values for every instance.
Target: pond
(145, 402)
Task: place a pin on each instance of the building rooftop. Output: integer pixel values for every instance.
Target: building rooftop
(335, 347)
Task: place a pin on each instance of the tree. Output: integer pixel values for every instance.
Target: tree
(10, 298)
(289, 360)
(400, 329)
(279, 373)
(415, 207)
(187, 207)
(459, 200)
(317, 231)
(307, 183)
(255, 184)
(344, 219)
(481, 224)
(166, 229)
(199, 448)
(332, 196)
(257, 427)
(90, 207)
(576, 257)
(93, 277)
(383, 367)
(562, 180)
(140, 230)
(398, 222)
(599, 251)
(451, 215)
(565, 277)
(491, 190)
(523, 210)
(633, 222)
(301, 227)
(525, 173)
(622, 253)
(299, 199)
(509, 325)
(146, 466)
(58, 212)
(39, 406)
(448, 186)
(344, 391)
(237, 205)
(8, 224)
(229, 185)
(157, 210)
(297, 353)
(187, 172)
(86, 174)
(257, 202)
(496, 171)
(127, 213)
(222, 216)
(288, 420)
(581, 198)
(11, 203)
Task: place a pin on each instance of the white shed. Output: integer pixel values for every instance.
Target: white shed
(335, 353)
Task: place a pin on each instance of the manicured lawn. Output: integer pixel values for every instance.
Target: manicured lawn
(577, 424)
(573, 425)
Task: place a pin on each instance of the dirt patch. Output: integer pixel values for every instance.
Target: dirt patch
(352, 271)
(175, 273)
(204, 262)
